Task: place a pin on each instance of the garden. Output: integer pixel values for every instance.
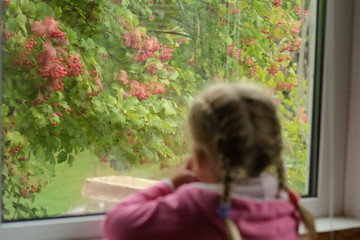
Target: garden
(102, 87)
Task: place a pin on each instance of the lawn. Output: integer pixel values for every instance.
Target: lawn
(64, 192)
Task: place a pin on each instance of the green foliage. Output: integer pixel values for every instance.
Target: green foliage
(128, 104)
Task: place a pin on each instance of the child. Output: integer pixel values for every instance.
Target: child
(221, 193)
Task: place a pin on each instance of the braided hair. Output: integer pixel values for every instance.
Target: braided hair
(238, 128)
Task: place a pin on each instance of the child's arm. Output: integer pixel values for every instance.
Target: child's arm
(149, 212)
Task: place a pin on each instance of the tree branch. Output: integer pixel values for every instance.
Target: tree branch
(115, 58)
(170, 32)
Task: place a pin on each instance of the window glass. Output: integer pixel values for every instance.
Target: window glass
(95, 93)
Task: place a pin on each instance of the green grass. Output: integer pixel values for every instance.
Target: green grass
(63, 193)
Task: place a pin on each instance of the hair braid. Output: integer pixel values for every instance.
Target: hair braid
(232, 232)
(306, 216)
(238, 127)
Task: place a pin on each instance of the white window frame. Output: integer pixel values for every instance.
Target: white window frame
(334, 127)
(335, 131)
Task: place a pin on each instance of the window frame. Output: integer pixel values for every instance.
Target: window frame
(334, 111)
(332, 149)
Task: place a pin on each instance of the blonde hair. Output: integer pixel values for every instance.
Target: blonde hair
(238, 125)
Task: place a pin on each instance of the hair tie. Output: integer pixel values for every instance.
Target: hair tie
(294, 197)
(224, 210)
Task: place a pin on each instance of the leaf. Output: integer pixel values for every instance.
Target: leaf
(11, 25)
(5, 110)
(43, 10)
(174, 75)
(176, 87)
(58, 12)
(62, 157)
(40, 156)
(169, 110)
(71, 160)
(71, 34)
(88, 44)
(15, 139)
(110, 100)
(21, 20)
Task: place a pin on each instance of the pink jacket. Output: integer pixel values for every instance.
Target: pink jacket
(190, 213)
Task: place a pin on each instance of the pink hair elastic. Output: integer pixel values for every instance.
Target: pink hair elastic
(293, 196)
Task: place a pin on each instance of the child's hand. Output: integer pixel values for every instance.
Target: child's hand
(185, 174)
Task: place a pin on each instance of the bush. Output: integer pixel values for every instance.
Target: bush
(116, 77)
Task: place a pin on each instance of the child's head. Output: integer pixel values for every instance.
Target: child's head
(237, 128)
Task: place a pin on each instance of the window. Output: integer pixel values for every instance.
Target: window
(117, 106)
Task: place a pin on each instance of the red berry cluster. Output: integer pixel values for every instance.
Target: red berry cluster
(235, 11)
(74, 66)
(249, 61)
(27, 190)
(305, 118)
(25, 62)
(7, 35)
(133, 39)
(232, 49)
(93, 92)
(143, 90)
(279, 23)
(277, 3)
(59, 114)
(144, 53)
(304, 115)
(254, 70)
(247, 42)
(273, 70)
(153, 70)
(104, 56)
(141, 94)
(94, 73)
(299, 11)
(5, 4)
(132, 140)
(165, 54)
(191, 62)
(29, 47)
(56, 85)
(159, 91)
(290, 47)
(22, 159)
(280, 59)
(54, 69)
(282, 86)
(151, 18)
(295, 30)
(56, 34)
(16, 149)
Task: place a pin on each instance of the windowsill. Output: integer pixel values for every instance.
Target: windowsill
(336, 224)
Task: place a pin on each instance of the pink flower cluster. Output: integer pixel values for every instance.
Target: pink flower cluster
(48, 28)
(146, 49)
(143, 90)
